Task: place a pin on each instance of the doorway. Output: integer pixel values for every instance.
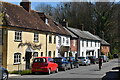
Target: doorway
(28, 56)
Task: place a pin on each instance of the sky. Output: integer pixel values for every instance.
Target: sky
(54, 3)
(34, 4)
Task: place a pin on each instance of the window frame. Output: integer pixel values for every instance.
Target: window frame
(18, 36)
(53, 53)
(50, 38)
(41, 54)
(36, 37)
(49, 54)
(17, 59)
(67, 41)
(34, 54)
(54, 39)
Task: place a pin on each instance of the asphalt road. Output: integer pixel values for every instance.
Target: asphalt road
(91, 71)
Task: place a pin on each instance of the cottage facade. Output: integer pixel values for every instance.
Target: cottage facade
(25, 35)
(89, 45)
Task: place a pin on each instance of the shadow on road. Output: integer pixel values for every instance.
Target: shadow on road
(114, 74)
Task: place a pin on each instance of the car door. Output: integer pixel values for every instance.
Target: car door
(52, 64)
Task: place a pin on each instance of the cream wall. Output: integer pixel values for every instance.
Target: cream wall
(51, 46)
(13, 48)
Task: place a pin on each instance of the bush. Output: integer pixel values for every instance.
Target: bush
(21, 72)
(110, 56)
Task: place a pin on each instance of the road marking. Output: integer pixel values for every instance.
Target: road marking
(114, 70)
(103, 75)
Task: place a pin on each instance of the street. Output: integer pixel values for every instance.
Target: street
(91, 71)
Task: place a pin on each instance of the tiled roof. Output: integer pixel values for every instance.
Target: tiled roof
(71, 34)
(17, 16)
(84, 34)
(103, 42)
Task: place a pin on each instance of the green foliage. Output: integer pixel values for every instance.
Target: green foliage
(21, 72)
(110, 56)
(115, 51)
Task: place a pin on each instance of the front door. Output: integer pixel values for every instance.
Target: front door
(27, 58)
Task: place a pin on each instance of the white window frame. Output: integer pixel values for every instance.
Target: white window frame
(18, 35)
(36, 37)
(50, 38)
(67, 41)
(17, 58)
(49, 54)
(35, 54)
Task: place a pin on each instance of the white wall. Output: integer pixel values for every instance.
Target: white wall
(85, 48)
(63, 41)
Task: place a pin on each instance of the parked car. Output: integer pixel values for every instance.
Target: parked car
(104, 57)
(115, 55)
(44, 64)
(83, 61)
(3, 73)
(62, 62)
(92, 59)
(73, 62)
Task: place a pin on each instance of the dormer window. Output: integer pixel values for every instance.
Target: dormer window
(46, 21)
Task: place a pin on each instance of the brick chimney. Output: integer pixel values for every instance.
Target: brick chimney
(82, 27)
(26, 4)
(64, 23)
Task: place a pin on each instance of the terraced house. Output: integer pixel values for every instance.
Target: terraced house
(88, 44)
(26, 34)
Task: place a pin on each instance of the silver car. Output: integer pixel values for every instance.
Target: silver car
(3, 73)
(83, 61)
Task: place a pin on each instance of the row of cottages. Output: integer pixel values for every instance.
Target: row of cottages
(26, 34)
(86, 43)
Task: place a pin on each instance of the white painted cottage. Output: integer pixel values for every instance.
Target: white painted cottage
(89, 44)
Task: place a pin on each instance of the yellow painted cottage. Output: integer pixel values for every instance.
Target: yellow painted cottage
(24, 35)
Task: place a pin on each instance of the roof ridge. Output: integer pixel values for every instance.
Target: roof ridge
(11, 3)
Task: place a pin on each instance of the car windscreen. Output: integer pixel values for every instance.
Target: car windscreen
(81, 57)
(39, 60)
(67, 58)
(101, 56)
(57, 59)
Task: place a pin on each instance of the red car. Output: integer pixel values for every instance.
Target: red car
(44, 64)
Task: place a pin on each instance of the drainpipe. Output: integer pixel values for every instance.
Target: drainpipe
(46, 45)
(78, 47)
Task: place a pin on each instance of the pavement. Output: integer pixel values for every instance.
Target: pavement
(14, 75)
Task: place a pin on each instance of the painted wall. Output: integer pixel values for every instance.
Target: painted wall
(105, 49)
(62, 41)
(73, 46)
(12, 47)
(91, 47)
(51, 46)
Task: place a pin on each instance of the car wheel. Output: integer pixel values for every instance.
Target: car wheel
(4, 76)
(56, 70)
(49, 72)
(77, 66)
(65, 68)
(72, 66)
(33, 73)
